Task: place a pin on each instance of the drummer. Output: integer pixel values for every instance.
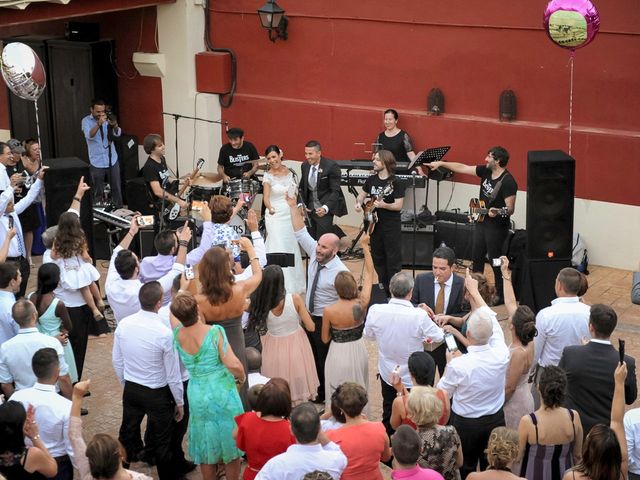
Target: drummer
(234, 157)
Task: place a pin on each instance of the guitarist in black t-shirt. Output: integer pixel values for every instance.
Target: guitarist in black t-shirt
(387, 194)
(498, 190)
(156, 173)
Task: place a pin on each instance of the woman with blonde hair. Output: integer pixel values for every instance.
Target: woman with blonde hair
(441, 446)
(501, 451)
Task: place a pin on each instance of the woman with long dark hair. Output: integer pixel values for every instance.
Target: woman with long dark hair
(32, 218)
(222, 300)
(17, 461)
(53, 317)
(286, 351)
(278, 182)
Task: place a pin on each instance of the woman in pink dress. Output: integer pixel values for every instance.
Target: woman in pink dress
(286, 351)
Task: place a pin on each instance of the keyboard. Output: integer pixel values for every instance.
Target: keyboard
(350, 179)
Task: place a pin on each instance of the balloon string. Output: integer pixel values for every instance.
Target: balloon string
(571, 101)
(35, 104)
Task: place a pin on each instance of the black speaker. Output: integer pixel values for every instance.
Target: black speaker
(458, 236)
(550, 194)
(127, 149)
(423, 245)
(60, 184)
(535, 281)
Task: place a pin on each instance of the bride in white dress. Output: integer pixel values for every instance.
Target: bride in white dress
(278, 182)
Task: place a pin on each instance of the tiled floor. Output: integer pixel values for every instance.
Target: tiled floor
(607, 285)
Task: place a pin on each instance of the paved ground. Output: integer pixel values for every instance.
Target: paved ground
(610, 286)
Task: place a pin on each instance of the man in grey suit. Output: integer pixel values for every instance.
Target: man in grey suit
(440, 291)
(590, 368)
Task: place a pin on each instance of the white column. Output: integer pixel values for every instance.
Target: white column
(181, 36)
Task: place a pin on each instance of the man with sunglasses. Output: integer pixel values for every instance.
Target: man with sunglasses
(498, 189)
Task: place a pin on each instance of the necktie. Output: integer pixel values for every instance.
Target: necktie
(313, 179)
(314, 285)
(18, 235)
(440, 300)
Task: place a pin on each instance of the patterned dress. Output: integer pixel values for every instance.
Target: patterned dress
(213, 401)
(440, 445)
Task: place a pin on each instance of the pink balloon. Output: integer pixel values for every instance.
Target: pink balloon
(571, 24)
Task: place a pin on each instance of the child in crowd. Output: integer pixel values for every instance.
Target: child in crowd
(406, 446)
(254, 363)
(71, 253)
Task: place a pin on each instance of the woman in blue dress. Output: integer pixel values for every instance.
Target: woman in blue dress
(215, 374)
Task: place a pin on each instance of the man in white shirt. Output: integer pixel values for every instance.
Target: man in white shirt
(10, 278)
(632, 434)
(400, 329)
(313, 450)
(9, 217)
(323, 266)
(476, 382)
(52, 410)
(16, 354)
(146, 363)
(564, 323)
(123, 283)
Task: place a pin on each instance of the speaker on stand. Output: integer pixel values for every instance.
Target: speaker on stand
(60, 185)
(550, 197)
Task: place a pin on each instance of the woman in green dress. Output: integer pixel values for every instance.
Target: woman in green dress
(214, 402)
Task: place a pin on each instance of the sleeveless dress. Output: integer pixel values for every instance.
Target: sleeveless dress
(12, 467)
(213, 401)
(50, 324)
(520, 403)
(547, 461)
(280, 237)
(347, 361)
(286, 353)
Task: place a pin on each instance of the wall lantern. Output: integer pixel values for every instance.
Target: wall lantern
(273, 19)
(507, 106)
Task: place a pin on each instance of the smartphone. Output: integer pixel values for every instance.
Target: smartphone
(145, 220)
(395, 375)
(497, 262)
(450, 340)
(621, 349)
(10, 222)
(188, 272)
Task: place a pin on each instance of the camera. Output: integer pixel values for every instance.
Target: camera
(497, 262)
(450, 340)
(188, 272)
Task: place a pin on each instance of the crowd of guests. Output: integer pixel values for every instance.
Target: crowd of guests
(258, 375)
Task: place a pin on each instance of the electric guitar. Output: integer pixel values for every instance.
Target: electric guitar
(174, 210)
(478, 210)
(369, 211)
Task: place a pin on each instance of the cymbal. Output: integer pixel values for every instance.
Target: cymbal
(206, 179)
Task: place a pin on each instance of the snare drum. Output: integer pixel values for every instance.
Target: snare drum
(202, 188)
(236, 187)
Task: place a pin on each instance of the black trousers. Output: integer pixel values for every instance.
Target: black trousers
(474, 435)
(320, 350)
(386, 251)
(439, 356)
(65, 468)
(320, 225)
(389, 394)
(159, 407)
(79, 335)
(488, 239)
(180, 430)
(25, 271)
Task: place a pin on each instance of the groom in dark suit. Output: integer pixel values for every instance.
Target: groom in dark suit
(320, 190)
(440, 291)
(590, 368)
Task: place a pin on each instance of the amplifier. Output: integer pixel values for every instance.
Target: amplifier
(423, 247)
(420, 227)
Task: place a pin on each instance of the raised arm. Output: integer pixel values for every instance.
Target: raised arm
(250, 284)
(4, 249)
(296, 217)
(509, 295)
(454, 167)
(77, 198)
(617, 415)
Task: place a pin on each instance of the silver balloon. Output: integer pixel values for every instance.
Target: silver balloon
(22, 71)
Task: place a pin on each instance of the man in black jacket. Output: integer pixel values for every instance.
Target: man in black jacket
(590, 370)
(320, 190)
(429, 294)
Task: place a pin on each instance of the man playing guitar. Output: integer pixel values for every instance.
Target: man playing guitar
(385, 239)
(498, 190)
(156, 173)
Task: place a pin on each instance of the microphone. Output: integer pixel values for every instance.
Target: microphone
(293, 172)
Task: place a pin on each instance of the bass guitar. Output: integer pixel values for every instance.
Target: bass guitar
(185, 191)
(369, 211)
(478, 210)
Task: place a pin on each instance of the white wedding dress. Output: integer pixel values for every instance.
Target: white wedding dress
(280, 237)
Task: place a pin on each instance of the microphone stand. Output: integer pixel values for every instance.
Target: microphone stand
(415, 225)
(176, 117)
(164, 193)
